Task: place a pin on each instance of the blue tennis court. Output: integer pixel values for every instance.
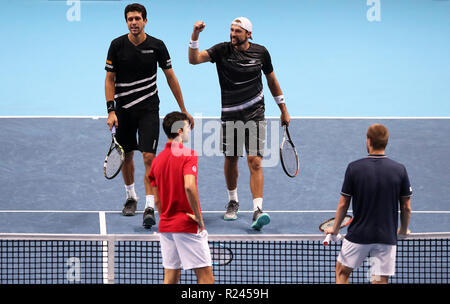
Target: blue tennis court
(55, 191)
(54, 183)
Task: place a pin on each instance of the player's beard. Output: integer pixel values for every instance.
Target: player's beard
(238, 41)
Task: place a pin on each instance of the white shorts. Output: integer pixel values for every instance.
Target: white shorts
(185, 250)
(381, 261)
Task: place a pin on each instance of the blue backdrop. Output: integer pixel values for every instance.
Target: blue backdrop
(332, 58)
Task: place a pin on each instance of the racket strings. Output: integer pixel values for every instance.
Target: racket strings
(330, 223)
(289, 157)
(113, 162)
(220, 255)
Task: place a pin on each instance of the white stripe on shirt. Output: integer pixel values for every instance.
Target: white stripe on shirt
(245, 105)
(140, 99)
(242, 82)
(135, 83)
(135, 90)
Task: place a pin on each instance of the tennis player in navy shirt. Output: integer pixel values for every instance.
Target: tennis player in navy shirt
(377, 186)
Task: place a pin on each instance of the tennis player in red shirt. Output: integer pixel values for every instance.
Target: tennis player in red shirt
(173, 176)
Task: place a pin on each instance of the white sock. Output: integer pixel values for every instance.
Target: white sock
(232, 195)
(257, 203)
(150, 201)
(131, 193)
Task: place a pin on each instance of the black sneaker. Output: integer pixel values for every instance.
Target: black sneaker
(232, 211)
(260, 219)
(130, 207)
(149, 218)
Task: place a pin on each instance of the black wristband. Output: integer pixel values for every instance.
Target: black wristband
(110, 105)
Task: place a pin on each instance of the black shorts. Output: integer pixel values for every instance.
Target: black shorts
(236, 134)
(143, 122)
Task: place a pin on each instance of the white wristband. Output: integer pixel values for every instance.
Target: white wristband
(279, 99)
(193, 44)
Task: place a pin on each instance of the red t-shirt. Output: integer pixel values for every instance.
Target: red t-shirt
(167, 174)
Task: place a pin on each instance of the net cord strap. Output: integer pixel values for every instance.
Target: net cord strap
(211, 237)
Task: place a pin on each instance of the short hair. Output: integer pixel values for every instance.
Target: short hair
(136, 7)
(379, 136)
(169, 121)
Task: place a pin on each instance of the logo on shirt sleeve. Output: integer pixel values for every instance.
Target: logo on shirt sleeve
(109, 64)
(194, 168)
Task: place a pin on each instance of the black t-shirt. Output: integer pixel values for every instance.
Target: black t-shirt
(135, 68)
(376, 184)
(240, 80)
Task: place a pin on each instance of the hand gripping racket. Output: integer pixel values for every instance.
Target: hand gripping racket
(115, 157)
(288, 154)
(329, 224)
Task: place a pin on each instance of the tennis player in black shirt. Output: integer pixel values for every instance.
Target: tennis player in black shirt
(239, 64)
(133, 102)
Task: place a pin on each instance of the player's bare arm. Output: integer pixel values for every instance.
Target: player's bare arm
(174, 85)
(109, 94)
(275, 89)
(157, 199)
(405, 215)
(192, 196)
(196, 56)
(341, 212)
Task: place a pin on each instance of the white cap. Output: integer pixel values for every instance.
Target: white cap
(244, 23)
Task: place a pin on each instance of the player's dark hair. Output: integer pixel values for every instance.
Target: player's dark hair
(379, 136)
(136, 7)
(173, 122)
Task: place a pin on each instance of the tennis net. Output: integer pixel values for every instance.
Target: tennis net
(263, 259)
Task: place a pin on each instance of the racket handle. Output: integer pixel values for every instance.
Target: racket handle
(113, 130)
(330, 237)
(327, 239)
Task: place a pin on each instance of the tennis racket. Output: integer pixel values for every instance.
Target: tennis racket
(288, 154)
(329, 224)
(220, 255)
(115, 157)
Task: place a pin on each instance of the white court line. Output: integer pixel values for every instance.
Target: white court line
(102, 221)
(218, 117)
(52, 117)
(206, 211)
(118, 211)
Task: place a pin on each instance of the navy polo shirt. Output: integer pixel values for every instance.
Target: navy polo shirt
(375, 184)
